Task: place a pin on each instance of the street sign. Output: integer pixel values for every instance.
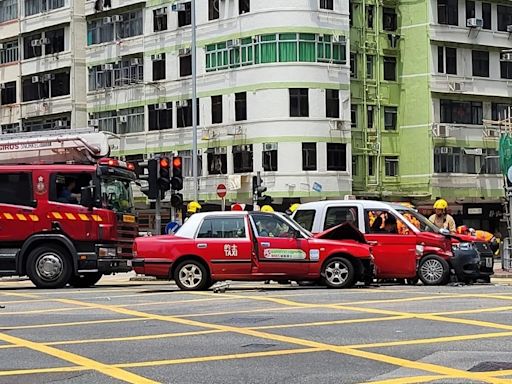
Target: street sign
(221, 191)
(172, 227)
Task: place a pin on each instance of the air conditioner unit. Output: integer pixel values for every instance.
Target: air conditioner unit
(93, 123)
(107, 67)
(122, 119)
(178, 7)
(336, 125)
(182, 104)
(473, 151)
(509, 28)
(256, 39)
(475, 23)
(161, 106)
(3, 86)
(184, 52)
(455, 87)
(446, 150)
(107, 20)
(270, 146)
(35, 79)
(157, 57)
(506, 56)
(161, 11)
(48, 77)
(339, 39)
(443, 130)
(35, 43)
(233, 43)
(219, 150)
(117, 18)
(135, 61)
(45, 41)
(393, 40)
(60, 123)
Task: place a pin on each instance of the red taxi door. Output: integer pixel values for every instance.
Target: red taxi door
(280, 253)
(393, 245)
(223, 241)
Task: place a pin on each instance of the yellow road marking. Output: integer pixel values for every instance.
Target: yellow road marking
(17, 372)
(85, 362)
(28, 295)
(408, 380)
(333, 322)
(51, 310)
(472, 311)
(452, 372)
(54, 325)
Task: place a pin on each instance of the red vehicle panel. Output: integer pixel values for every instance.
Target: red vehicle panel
(218, 246)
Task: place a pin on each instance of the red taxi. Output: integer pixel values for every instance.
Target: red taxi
(216, 246)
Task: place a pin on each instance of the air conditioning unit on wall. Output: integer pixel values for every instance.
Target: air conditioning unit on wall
(475, 23)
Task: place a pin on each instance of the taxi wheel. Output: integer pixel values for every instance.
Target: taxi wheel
(338, 272)
(191, 275)
(434, 270)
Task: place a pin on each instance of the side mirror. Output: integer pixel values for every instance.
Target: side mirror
(87, 197)
(444, 231)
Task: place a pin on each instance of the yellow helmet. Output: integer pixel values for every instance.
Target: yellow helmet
(294, 207)
(267, 208)
(441, 204)
(193, 207)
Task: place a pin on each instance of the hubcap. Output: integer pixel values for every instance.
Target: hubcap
(49, 266)
(190, 275)
(432, 270)
(336, 273)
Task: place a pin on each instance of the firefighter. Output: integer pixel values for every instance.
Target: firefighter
(487, 237)
(292, 209)
(267, 208)
(441, 218)
(192, 207)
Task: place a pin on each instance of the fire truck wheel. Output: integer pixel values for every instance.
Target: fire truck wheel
(191, 275)
(338, 272)
(49, 266)
(433, 270)
(84, 281)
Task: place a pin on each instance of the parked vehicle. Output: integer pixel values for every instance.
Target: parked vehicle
(216, 246)
(66, 213)
(402, 250)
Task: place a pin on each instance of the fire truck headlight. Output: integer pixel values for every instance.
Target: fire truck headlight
(107, 252)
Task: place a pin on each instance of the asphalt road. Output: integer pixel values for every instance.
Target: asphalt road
(149, 332)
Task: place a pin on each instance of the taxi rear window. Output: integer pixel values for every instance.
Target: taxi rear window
(340, 215)
(222, 228)
(305, 218)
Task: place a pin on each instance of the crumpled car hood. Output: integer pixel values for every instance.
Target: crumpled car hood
(345, 231)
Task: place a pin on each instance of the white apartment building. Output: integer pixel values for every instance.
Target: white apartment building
(272, 85)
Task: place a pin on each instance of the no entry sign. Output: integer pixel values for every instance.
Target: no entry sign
(221, 191)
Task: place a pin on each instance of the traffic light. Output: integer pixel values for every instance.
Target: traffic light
(164, 178)
(151, 176)
(258, 191)
(176, 200)
(177, 174)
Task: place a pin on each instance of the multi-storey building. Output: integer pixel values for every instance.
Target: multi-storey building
(42, 65)
(272, 86)
(425, 76)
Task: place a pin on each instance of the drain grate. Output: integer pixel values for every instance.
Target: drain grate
(258, 346)
(487, 366)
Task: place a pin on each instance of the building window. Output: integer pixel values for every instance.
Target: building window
(336, 157)
(32, 46)
(470, 9)
(16, 189)
(369, 16)
(129, 70)
(53, 41)
(10, 128)
(389, 68)
(461, 112)
(47, 123)
(329, 49)
(504, 17)
(45, 85)
(506, 69)
(216, 109)
(350, 14)
(480, 61)
(37, 6)
(160, 19)
(240, 106)
(353, 115)
(269, 157)
(9, 52)
(369, 116)
(327, 4)
(130, 120)
(299, 104)
(160, 116)
(389, 20)
(466, 160)
(440, 59)
(158, 66)
(184, 113)
(447, 60)
(186, 65)
(486, 15)
(242, 158)
(244, 6)
(185, 17)
(353, 65)
(8, 10)
(309, 156)
(332, 103)
(500, 111)
(115, 27)
(8, 93)
(369, 66)
(186, 157)
(355, 165)
(448, 12)
(217, 161)
(391, 165)
(390, 117)
(371, 165)
(213, 9)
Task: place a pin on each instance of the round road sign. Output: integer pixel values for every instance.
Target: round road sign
(221, 191)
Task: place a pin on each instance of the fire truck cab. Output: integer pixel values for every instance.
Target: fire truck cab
(66, 210)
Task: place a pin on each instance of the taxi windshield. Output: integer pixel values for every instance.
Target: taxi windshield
(418, 220)
(116, 194)
(295, 225)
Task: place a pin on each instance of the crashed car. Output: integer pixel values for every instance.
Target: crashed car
(252, 246)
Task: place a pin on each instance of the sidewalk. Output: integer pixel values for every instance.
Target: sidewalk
(499, 273)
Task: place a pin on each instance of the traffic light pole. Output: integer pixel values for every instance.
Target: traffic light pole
(194, 102)
(158, 216)
(255, 206)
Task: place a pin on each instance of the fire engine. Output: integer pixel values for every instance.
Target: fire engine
(66, 209)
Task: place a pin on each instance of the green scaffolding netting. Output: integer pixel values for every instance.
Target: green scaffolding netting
(505, 152)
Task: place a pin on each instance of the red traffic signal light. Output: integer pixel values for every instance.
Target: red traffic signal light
(177, 174)
(164, 162)
(176, 162)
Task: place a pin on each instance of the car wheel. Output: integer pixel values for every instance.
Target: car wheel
(434, 270)
(49, 267)
(86, 280)
(191, 275)
(338, 272)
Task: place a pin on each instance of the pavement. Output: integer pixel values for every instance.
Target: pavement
(123, 331)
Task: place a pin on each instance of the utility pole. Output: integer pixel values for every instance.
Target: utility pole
(194, 103)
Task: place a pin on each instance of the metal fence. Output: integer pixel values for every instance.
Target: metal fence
(506, 255)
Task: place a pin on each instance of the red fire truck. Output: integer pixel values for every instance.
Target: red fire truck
(66, 209)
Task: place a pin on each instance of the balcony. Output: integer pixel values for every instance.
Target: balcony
(101, 53)
(9, 113)
(463, 133)
(46, 19)
(46, 63)
(466, 35)
(38, 108)
(478, 184)
(90, 4)
(469, 85)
